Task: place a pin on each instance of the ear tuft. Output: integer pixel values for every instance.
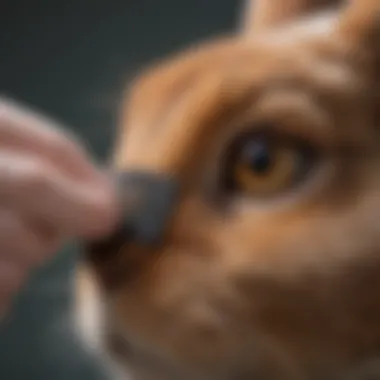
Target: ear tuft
(360, 24)
(359, 31)
(262, 14)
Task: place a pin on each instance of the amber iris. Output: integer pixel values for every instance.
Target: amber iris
(260, 165)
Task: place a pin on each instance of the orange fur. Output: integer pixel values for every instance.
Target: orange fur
(286, 288)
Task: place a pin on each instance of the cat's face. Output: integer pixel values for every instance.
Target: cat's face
(270, 263)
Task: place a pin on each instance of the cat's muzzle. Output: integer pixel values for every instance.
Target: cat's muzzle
(147, 201)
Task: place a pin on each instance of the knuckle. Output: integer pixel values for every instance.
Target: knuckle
(61, 145)
(33, 176)
(58, 143)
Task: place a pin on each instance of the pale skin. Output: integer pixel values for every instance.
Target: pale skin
(50, 191)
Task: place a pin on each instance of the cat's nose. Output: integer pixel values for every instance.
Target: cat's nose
(147, 201)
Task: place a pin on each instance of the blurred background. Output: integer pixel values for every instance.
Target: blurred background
(71, 59)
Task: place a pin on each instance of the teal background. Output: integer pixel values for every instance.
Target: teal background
(71, 59)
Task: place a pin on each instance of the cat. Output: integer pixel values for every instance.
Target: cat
(251, 247)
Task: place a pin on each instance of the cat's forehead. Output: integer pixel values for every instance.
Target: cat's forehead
(236, 69)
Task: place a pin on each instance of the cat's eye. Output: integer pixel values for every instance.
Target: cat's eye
(264, 165)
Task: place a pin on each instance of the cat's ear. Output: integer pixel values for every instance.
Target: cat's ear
(358, 30)
(261, 14)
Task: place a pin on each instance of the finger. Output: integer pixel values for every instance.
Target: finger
(41, 192)
(24, 243)
(22, 129)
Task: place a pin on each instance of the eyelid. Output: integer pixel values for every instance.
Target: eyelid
(293, 114)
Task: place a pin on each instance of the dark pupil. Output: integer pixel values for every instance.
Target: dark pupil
(257, 156)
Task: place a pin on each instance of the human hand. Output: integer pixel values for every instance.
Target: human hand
(49, 191)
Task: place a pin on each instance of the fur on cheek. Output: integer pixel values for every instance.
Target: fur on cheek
(88, 312)
(88, 321)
